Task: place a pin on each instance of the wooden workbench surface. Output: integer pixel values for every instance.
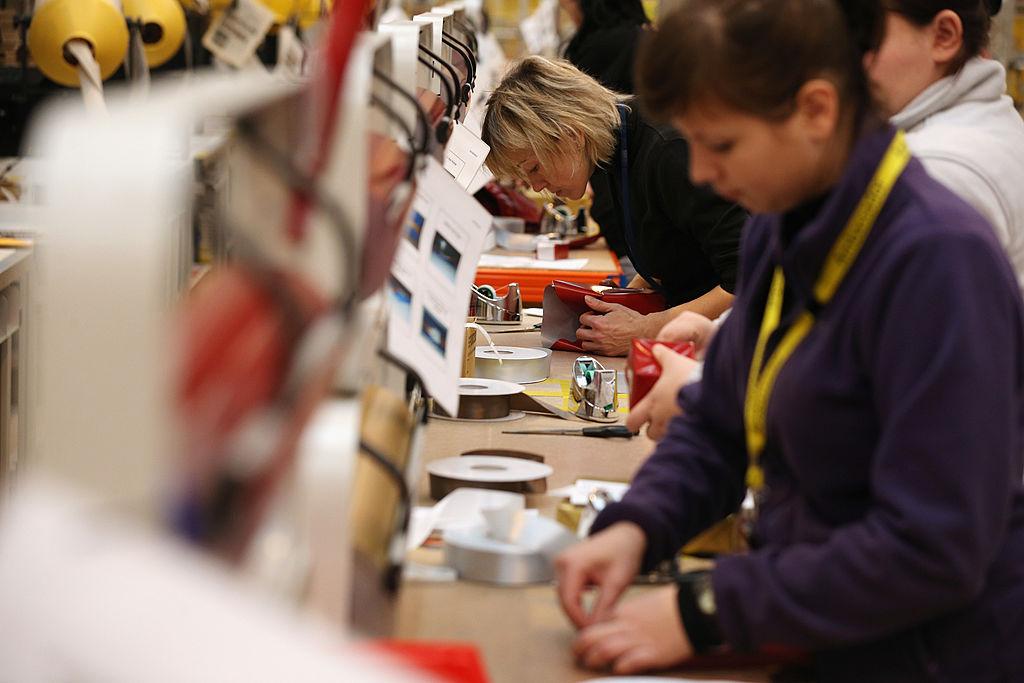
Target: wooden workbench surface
(521, 632)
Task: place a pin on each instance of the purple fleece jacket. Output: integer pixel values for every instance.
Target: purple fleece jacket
(891, 539)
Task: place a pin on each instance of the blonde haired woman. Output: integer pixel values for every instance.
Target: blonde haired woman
(557, 129)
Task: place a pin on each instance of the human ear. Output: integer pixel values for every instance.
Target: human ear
(817, 109)
(946, 37)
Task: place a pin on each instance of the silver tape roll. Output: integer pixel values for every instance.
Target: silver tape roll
(530, 559)
(520, 365)
(495, 472)
(481, 398)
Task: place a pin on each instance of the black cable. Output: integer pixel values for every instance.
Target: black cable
(409, 97)
(299, 181)
(450, 101)
(451, 70)
(393, 572)
(469, 31)
(396, 118)
(466, 55)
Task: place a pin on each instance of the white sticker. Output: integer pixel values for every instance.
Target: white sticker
(234, 35)
(464, 154)
(291, 54)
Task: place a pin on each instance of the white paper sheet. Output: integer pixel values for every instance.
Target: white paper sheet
(464, 154)
(498, 261)
(430, 281)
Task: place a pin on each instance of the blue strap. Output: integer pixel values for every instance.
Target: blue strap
(627, 207)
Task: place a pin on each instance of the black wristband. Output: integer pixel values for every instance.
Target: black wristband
(701, 625)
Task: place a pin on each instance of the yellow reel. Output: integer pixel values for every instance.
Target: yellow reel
(56, 22)
(163, 27)
(307, 10)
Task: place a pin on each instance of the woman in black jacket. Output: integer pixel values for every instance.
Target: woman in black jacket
(605, 41)
(557, 129)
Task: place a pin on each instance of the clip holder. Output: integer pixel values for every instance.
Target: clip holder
(595, 389)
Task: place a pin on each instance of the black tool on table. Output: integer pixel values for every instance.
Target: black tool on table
(605, 432)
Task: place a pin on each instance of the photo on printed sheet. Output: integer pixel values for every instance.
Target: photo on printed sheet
(434, 331)
(444, 256)
(414, 227)
(401, 298)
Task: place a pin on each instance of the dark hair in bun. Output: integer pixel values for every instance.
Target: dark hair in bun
(755, 55)
(975, 16)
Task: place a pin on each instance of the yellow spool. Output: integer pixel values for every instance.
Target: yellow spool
(97, 22)
(310, 12)
(212, 4)
(163, 27)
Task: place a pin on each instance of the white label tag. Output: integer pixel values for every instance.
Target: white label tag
(234, 36)
(291, 54)
(464, 154)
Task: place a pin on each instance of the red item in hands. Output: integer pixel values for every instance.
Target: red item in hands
(643, 369)
(453, 662)
(564, 302)
(504, 201)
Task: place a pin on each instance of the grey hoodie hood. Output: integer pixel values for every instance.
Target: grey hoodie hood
(980, 80)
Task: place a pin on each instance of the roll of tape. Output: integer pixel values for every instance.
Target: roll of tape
(492, 472)
(477, 557)
(484, 399)
(163, 27)
(520, 365)
(99, 23)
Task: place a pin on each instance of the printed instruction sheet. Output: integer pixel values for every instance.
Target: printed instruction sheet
(430, 281)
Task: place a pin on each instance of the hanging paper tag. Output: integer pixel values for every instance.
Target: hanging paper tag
(234, 36)
(464, 154)
(291, 54)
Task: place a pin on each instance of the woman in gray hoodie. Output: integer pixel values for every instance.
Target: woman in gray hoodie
(932, 79)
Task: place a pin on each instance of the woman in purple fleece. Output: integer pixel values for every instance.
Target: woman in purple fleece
(868, 386)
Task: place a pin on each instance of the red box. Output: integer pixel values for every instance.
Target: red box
(565, 302)
(643, 370)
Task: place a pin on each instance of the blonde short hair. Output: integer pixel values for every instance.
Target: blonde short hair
(542, 104)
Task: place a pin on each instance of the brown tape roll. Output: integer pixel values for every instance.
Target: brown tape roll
(483, 399)
(492, 470)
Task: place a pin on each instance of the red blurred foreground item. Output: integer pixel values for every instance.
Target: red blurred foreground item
(388, 203)
(454, 662)
(643, 369)
(246, 332)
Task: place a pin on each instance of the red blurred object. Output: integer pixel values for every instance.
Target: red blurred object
(454, 662)
(347, 18)
(643, 369)
(238, 345)
(500, 200)
(388, 204)
(259, 350)
(564, 302)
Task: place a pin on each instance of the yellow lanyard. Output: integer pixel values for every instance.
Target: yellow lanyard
(840, 258)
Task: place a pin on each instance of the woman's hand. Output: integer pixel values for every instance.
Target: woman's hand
(608, 561)
(643, 633)
(661, 404)
(689, 327)
(609, 331)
